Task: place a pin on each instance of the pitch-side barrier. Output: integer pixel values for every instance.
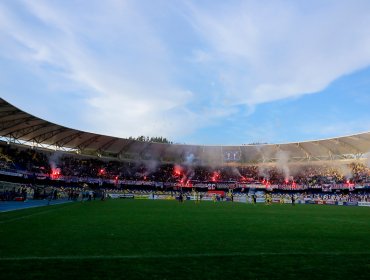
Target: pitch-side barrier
(241, 199)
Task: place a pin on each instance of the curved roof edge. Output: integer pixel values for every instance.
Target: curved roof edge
(23, 127)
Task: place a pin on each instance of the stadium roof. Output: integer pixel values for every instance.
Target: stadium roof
(20, 127)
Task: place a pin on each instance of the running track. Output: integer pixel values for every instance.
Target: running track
(6, 206)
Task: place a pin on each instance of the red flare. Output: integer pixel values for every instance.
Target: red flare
(55, 173)
(177, 170)
(215, 176)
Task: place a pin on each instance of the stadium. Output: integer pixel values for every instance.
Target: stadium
(125, 208)
(184, 139)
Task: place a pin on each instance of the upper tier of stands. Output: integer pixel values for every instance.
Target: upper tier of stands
(17, 126)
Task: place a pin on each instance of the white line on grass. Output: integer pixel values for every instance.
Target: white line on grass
(195, 255)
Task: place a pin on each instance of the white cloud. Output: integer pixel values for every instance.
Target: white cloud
(131, 71)
(283, 49)
(130, 81)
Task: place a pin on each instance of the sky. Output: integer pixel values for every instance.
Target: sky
(196, 72)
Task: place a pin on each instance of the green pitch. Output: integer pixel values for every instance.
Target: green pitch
(139, 239)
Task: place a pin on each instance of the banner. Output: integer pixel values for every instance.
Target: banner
(118, 195)
(364, 203)
(8, 173)
(350, 203)
(164, 196)
(141, 196)
(326, 188)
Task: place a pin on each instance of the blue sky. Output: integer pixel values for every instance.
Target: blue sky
(196, 72)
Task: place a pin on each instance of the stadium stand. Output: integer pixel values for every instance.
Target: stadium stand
(33, 167)
(35, 153)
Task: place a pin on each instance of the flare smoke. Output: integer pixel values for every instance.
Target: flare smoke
(282, 163)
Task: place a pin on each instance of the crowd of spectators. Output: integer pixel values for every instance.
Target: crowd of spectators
(21, 158)
(23, 192)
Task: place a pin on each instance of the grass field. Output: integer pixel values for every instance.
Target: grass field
(141, 239)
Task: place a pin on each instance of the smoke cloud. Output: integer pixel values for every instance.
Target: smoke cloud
(54, 159)
(263, 171)
(235, 171)
(282, 163)
(189, 159)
